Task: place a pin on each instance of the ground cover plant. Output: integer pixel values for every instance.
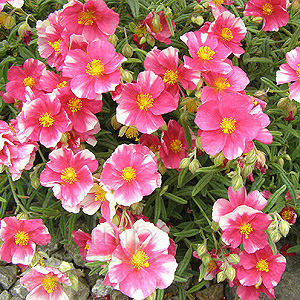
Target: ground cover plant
(161, 137)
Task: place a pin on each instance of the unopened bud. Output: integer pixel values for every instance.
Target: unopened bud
(198, 143)
(65, 267)
(261, 158)
(22, 216)
(185, 162)
(237, 182)
(275, 236)
(150, 40)
(284, 228)
(23, 29)
(9, 22)
(113, 39)
(206, 259)
(161, 168)
(230, 273)
(257, 20)
(2, 168)
(251, 157)
(262, 95)
(280, 161)
(75, 282)
(272, 226)
(197, 20)
(156, 21)
(64, 138)
(132, 27)
(137, 208)
(126, 75)
(34, 180)
(194, 165)
(234, 258)
(114, 123)
(283, 103)
(127, 50)
(219, 159)
(246, 171)
(201, 249)
(143, 40)
(221, 276)
(168, 13)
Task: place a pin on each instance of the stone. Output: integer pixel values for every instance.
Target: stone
(100, 289)
(72, 250)
(16, 298)
(5, 295)
(8, 276)
(213, 292)
(82, 293)
(55, 263)
(117, 295)
(50, 248)
(18, 290)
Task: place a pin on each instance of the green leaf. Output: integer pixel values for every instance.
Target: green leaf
(258, 60)
(273, 198)
(294, 40)
(197, 287)
(202, 183)
(175, 198)
(271, 85)
(289, 130)
(179, 279)
(158, 208)
(134, 6)
(185, 261)
(2, 199)
(294, 249)
(181, 175)
(160, 294)
(211, 169)
(187, 233)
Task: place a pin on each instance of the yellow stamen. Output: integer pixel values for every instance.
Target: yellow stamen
(86, 18)
(154, 148)
(144, 101)
(226, 34)
(221, 83)
(128, 174)
(100, 194)
(75, 104)
(95, 68)
(176, 146)
(228, 125)
(139, 259)
(153, 29)
(21, 238)
(205, 53)
(62, 84)
(29, 81)
(262, 265)
(132, 132)
(287, 215)
(69, 175)
(49, 283)
(253, 101)
(211, 266)
(87, 247)
(298, 70)
(246, 229)
(218, 2)
(140, 30)
(267, 9)
(170, 77)
(46, 119)
(55, 45)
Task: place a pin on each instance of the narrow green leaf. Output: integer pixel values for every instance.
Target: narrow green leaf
(211, 169)
(181, 176)
(175, 198)
(134, 6)
(2, 199)
(187, 233)
(179, 279)
(197, 287)
(289, 130)
(258, 60)
(271, 85)
(202, 183)
(160, 294)
(273, 198)
(157, 208)
(294, 40)
(185, 261)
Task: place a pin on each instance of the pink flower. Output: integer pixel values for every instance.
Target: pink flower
(173, 145)
(245, 225)
(253, 292)
(291, 72)
(165, 64)
(69, 175)
(52, 81)
(81, 239)
(142, 103)
(236, 198)
(151, 141)
(227, 125)
(141, 263)
(262, 266)
(43, 120)
(288, 214)
(273, 12)
(217, 8)
(207, 53)
(26, 80)
(229, 31)
(163, 33)
(20, 238)
(94, 20)
(131, 171)
(95, 71)
(45, 283)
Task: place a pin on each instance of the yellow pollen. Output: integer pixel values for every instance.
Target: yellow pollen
(69, 175)
(128, 174)
(221, 83)
(95, 68)
(132, 132)
(29, 81)
(298, 70)
(75, 104)
(154, 148)
(170, 77)
(55, 46)
(228, 125)
(176, 146)
(12, 128)
(226, 34)
(49, 284)
(254, 101)
(144, 101)
(21, 238)
(205, 53)
(100, 194)
(140, 30)
(62, 84)
(287, 215)
(139, 259)
(218, 2)
(191, 106)
(46, 119)
(267, 9)
(246, 229)
(87, 247)
(262, 265)
(86, 18)
(211, 266)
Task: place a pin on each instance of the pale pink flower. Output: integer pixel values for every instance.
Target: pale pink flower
(261, 266)
(141, 263)
(131, 171)
(217, 6)
(94, 20)
(14, 3)
(51, 81)
(143, 103)
(229, 31)
(81, 239)
(20, 238)
(23, 81)
(95, 71)
(274, 13)
(43, 119)
(44, 283)
(69, 175)
(291, 72)
(207, 53)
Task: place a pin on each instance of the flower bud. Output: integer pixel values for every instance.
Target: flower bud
(65, 267)
(161, 168)
(275, 236)
(280, 161)
(132, 27)
(197, 20)
(23, 28)
(168, 13)
(9, 22)
(127, 50)
(143, 40)
(237, 182)
(156, 21)
(2, 168)
(114, 123)
(34, 180)
(262, 95)
(219, 159)
(194, 165)
(234, 258)
(113, 39)
(116, 220)
(283, 103)
(201, 249)
(74, 280)
(251, 157)
(126, 75)
(257, 20)
(185, 162)
(206, 259)
(198, 143)
(22, 216)
(137, 208)
(221, 276)
(272, 226)
(230, 273)
(150, 40)
(246, 171)
(284, 228)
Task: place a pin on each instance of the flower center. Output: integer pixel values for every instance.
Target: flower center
(100, 195)
(153, 147)
(49, 284)
(228, 125)
(46, 119)
(95, 68)
(69, 175)
(226, 34)
(211, 266)
(205, 53)
(140, 259)
(144, 101)
(287, 215)
(86, 18)
(128, 174)
(87, 247)
(55, 46)
(298, 70)
(29, 81)
(218, 2)
(132, 132)
(253, 101)
(153, 29)
(262, 265)
(75, 104)
(267, 9)
(176, 146)
(21, 238)
(170, 77)
(221, 83)
(246, 229)
(62, 84)
(140, 30)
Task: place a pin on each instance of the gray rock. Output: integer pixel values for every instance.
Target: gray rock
(8, 276)
(82, 293)
(5, 295)
(72, 250)
(55, 263)
(62, 254)
(50, 248)
(16, 298)
(18, 290)
(100, 289)
(117, 295)
(215, 291)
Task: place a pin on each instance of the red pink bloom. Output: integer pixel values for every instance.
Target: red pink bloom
(288, 214)
(81, 239)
